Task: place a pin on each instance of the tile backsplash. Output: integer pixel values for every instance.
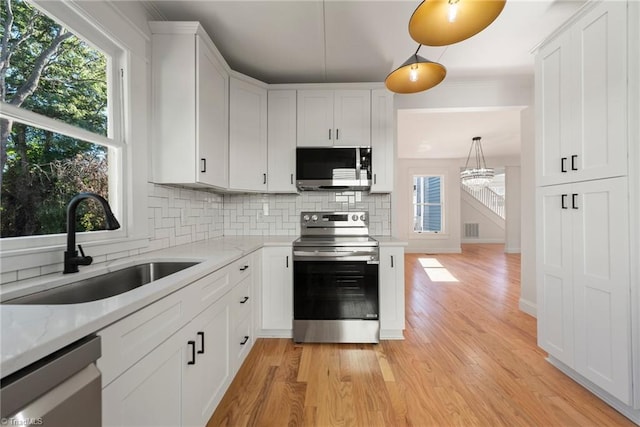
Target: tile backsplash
(179, 215)
(279, 214)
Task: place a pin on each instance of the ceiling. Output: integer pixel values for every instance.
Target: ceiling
(330, 41)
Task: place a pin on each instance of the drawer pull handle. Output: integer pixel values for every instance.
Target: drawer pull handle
(244, 268)
(564, 199)
(244, 340)
(287, 261)
(563, 168)
(573, 201)
(391, 261)
(201, 335)
(193, 352)
(203, 165)
(245, 299)
(573, 162)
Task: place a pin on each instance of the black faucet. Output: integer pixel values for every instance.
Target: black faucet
(71, 258)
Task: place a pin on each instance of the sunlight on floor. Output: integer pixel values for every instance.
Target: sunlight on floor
(436, 271)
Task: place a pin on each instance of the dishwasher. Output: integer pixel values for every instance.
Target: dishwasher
(63, 389)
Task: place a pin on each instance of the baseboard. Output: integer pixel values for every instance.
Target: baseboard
(391, 334)
(471, 241)
(415, 250)
(627, 411)
(275, 333)
(528, 307)
(511, 250)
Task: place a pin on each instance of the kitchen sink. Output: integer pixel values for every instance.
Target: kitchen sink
(105, 285)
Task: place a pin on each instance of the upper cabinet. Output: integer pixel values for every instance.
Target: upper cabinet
(334, 117)
(581, 100)
(382, 141)
(247, 137)
(281, 141)
(190, 107)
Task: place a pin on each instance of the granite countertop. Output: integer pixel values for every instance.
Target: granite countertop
(30, 332)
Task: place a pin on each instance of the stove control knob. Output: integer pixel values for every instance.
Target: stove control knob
(314, 218)
(306, 218)
(363, 217)
(354, 217)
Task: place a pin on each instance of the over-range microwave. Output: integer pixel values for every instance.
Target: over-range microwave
(333, 168)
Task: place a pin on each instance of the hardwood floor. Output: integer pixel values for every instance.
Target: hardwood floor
(469, 358)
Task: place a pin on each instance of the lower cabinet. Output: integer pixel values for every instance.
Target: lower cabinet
(181, 381)
(277, 294)
(391, 292)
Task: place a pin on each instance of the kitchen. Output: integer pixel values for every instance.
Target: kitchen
(170, 216)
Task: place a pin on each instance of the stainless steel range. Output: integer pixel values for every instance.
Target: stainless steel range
(335, 285)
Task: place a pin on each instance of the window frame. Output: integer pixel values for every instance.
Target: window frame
(414, 205)
(117, 61)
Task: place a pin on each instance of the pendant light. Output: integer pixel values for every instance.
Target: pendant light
(444, 22)
(415, 75)
(480, 176)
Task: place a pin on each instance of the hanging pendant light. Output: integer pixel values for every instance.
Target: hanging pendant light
(444, 22)
(415, 75)
(480, 176)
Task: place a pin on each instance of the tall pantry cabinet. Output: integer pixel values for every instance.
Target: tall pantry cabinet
(587, 201)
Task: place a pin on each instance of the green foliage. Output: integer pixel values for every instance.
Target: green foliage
(44, 170)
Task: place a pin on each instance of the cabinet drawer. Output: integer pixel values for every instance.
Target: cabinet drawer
(240, 269)
(241, 342)
(132, 338)
(241, 300)
(210, 288)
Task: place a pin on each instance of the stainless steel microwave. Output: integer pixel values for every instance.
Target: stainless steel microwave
(333, 168)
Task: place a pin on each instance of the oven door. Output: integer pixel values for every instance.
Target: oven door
(335, 290)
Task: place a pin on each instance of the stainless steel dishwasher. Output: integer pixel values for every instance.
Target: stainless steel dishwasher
(61, 390)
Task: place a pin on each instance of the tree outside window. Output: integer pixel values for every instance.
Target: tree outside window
(47, 70)
(427, 204)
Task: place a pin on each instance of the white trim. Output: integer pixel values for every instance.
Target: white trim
(30, 118)
(472, 241)
(391, 334)
(528, 307)
(511, 250)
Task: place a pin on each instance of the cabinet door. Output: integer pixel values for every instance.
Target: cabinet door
(382, 141)
(208, 378)
(247, 137)
(315, 118)
(281, 141)
(212, 119)
(352, 118)
(277, 290)
(391, 292)
(600, 149)
(554, 272)
(555, 96)
(602, 284)
(150, 392)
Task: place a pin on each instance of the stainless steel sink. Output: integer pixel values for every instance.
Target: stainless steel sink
(105, 285)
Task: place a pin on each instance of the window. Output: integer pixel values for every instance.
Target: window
(60, 113)
(427, 204)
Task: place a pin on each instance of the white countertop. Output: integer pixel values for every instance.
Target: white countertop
(30, 332)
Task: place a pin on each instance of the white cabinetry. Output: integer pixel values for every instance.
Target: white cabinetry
(391, 292)
(586, 200)
(582, 111)
(277, 291)
(247, 136)
(158, 372)
(190, 115)
(382, 141)
(334, 117)
(281, 141)
(583, 289)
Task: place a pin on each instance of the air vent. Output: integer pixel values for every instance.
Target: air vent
(472, 229)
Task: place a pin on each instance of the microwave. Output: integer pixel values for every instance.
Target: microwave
(333, 168)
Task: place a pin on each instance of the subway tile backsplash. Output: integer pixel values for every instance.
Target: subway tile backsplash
(279, 214)
(181, 215)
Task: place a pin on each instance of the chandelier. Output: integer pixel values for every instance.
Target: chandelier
(478, 176)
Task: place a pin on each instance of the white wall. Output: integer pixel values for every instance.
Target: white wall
(527, 213)
(512, 209)
(491, 227)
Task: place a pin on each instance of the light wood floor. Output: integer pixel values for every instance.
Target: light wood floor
(469, 359)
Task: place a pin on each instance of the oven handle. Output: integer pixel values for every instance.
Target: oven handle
(305, 256)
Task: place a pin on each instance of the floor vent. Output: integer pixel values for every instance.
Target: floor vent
(472, 229)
